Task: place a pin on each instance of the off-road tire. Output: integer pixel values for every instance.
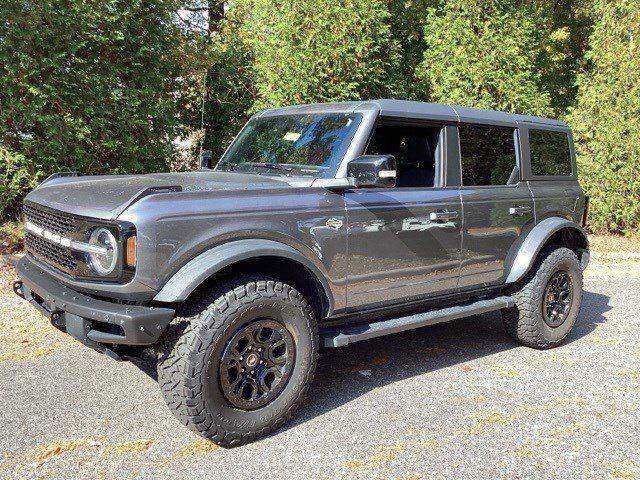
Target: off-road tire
(190, 351)
(525, 322)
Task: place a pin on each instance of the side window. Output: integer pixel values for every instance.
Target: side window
(415, 149)
(488, 155)
(550, 154)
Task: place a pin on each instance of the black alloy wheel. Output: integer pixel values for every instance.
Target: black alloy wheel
(557, 300)
(256, 364)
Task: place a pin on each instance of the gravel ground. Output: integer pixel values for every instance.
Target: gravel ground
(456, 400)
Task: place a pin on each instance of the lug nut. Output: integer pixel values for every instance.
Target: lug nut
(241, 358)
(250, 348)
(261, 362)
(259, 350)
(252, 372)
(242, 370)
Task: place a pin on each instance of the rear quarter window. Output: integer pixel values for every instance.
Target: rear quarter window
(550, 153)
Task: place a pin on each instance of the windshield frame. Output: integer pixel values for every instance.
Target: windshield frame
(356, 146)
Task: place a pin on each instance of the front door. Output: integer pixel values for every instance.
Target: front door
(404, 242)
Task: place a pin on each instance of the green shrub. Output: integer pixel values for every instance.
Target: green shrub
(310, 52)
(483, 54)
(17, 177)
(88, 85)
(606, 119)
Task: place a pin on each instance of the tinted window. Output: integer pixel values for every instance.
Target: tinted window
(414, 149)
(550, 154)
(488, 155)
(303, 144)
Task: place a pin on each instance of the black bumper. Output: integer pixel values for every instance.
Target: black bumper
(94, 322)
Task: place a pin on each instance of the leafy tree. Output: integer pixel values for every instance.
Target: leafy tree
(307, 51)
(88, 84)
(606, 119)
(483, 54)
(17, 177)
(564, 27)
(407, 19)
(230, 80)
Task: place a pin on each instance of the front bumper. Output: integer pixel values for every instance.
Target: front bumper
(94, 322)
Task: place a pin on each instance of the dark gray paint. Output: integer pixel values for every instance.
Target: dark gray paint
(187, 279)
(349, 237)
(534, 241)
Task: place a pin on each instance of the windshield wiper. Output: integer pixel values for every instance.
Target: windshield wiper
(272, 166)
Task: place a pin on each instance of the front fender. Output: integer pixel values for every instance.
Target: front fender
(533, 243)
(194, 272)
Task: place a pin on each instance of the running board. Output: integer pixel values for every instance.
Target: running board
(334, 337)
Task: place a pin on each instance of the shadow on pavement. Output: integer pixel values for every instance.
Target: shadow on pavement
(415, 352)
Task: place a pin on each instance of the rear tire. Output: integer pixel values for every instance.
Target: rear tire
(256, 325)
(547, 300)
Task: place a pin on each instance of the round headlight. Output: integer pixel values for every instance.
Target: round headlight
(104, 263)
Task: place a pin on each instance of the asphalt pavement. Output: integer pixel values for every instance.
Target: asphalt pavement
(456, 400)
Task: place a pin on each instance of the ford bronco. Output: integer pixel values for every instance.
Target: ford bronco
(320, 226)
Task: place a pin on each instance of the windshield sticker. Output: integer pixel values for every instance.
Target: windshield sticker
(291, 136)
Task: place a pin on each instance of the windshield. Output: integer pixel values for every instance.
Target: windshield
(293, 145)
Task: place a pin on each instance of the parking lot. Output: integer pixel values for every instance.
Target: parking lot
(455, 400)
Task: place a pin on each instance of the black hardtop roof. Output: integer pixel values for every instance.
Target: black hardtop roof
(421, 111)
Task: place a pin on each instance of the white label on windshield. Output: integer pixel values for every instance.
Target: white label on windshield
(291, 136)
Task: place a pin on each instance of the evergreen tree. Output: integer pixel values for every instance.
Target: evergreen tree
(306, 51)
(483, 54)
(606, 120)
(230, 81)
(87, 84)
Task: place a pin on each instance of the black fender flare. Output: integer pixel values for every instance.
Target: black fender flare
(197, 270)
(532, 244)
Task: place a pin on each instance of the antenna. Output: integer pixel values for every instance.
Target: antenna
(204, 95)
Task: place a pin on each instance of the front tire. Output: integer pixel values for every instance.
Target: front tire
(547, 300)
(236, 363)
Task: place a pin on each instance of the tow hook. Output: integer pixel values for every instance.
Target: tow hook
(17, 288)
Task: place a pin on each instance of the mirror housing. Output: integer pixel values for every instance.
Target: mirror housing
(206, 158)
(373, 171)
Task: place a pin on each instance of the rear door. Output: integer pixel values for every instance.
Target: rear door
(550, 170)
(498, 207)
(404, 242)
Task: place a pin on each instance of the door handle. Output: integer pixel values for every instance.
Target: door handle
(442, 216)
(519, 210)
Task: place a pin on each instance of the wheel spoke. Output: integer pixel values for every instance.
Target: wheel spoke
(557, 299)
(256, 364)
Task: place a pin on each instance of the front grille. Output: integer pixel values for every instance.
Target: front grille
(55, 222)
(51, 253)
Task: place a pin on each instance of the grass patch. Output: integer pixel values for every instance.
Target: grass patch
(488, 419)
(614, 243)
(381, 457)
(25, 334)
(53, 449)
(132, 446)
(200, 446)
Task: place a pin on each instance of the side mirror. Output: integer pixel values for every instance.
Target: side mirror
(373, 171)
(205, 159)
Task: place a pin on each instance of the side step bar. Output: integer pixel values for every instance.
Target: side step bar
(334, 337)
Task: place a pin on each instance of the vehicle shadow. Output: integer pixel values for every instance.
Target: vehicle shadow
(407, 354)
(416, 352)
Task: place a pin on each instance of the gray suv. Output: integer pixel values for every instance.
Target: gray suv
(320, 226)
